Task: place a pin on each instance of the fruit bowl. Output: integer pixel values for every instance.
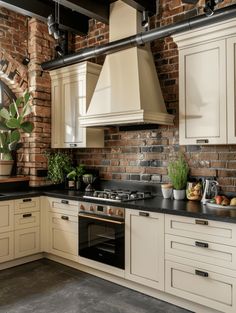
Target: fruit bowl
(219, 206)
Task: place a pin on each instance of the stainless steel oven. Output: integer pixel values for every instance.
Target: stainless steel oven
(101, 234)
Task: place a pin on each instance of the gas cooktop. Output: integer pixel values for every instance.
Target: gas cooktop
(118, 195)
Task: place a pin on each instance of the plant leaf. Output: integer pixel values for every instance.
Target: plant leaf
(26, 110)
(13, 123)
(27, 127)
(3, 126)
(5, 114)
(2, 139)
(12, 109)
(18, 101)
(12, 145)
(26, 97)
(15, 136)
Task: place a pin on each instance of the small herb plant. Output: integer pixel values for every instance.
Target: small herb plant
(77, 172)
(59, 164)
(12, 123)
(178, 173)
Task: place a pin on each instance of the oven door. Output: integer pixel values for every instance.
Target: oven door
(101, 239)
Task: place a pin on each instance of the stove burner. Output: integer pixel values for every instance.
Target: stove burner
(119, 195)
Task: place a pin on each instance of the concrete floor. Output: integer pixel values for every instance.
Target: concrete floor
(48, 287)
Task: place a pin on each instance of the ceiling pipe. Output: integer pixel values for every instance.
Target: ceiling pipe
(141, 38)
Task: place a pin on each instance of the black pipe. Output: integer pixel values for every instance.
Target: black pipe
(141, 38)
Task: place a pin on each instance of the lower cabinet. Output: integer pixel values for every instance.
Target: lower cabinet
(27, 242)
(6, 246)
(198, 285)
(144, 248)
(64, 235)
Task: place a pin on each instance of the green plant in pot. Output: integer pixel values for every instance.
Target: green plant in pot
(178, 173)
(76, 176)
(59, 165)
(13, 122)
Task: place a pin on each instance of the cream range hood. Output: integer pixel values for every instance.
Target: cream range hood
(128, 89)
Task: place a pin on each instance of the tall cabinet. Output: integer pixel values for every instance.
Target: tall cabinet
(207, 68)
(72, 88)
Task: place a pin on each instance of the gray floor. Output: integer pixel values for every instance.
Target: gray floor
(48, 287)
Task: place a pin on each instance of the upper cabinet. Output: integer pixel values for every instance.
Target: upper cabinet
(207, 69)
(72, 89)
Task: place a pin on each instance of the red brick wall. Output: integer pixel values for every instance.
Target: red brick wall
(143, 155)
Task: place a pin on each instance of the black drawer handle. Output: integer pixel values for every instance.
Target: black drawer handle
(201, 222)
(27, 215)
(73, 145)
(144, 214)
(201, 273)
(27, 200)
(64, 201)
(66, 218)
(202, 141)
(201, 244)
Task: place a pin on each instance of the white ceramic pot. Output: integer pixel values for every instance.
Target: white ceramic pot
(179, 194)
(167, 190)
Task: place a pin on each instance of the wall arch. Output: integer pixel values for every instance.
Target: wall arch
(13, 73)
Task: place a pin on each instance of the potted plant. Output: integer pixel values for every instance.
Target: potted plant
(13, 123)
(59, 164)
(178, 173)
(75, 176)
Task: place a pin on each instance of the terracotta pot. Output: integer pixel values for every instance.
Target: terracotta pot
(6, 168)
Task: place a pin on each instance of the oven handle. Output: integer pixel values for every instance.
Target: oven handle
(101, 219)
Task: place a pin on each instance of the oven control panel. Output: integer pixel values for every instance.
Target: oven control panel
(102, 209)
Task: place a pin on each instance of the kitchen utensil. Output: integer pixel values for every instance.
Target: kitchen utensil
(210, 190)
(88, 179)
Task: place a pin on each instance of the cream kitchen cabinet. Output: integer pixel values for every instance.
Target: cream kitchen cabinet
(27, 227)
(200, 261)
(72, 89)
(63, 228)
(6, 231)
(144, 248)
(207, 70)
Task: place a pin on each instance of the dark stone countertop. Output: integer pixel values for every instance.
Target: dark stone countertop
(155, 204)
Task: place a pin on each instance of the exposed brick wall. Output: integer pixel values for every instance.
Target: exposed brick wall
(143, 155)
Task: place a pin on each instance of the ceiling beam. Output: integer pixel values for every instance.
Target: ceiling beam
(69, 20)
(98, 10)
(143, 5)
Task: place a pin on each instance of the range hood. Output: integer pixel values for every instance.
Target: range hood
(128, 89)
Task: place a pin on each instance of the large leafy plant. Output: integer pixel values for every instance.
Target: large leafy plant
(12, 123)
(59, 164)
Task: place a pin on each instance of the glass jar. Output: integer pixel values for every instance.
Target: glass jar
(194, 191)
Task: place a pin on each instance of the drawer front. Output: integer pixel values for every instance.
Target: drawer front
(26, 220)
(209, 230)
(195, 284)
(64, 222)
(205, 251)
(6, 247)
(27, 242)
(64, 206)
(27, 205)
(6, 216)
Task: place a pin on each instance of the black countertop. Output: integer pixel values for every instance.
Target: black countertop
(155, 204)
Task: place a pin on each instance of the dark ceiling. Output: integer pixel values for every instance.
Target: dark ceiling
(74, 14)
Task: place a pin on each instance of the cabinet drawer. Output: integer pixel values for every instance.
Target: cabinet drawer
(6, 247)
(27, 205)
(27, 242)
(6, 216)
(26, 220)
(207, 252)
(201, 229)
(63, 206)
(65, 222)
(195, 284)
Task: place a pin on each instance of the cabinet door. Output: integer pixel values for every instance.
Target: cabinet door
(27, 242)
(63, 231)
(202, 99)
(6, 216)
(144, 248)
(6, 247)
(231, 89)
